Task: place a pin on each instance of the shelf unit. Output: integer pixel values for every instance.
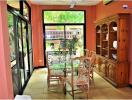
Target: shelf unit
(111, 48)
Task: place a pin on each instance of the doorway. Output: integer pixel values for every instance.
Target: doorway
(64, 35)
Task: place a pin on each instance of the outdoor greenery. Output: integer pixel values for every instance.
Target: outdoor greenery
(63, 17)
(11, 36)
(71, 42)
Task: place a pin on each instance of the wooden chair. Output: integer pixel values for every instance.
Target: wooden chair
(85, 73)
(86, 52)
(92, 59)
(54, 75)
(79, 83)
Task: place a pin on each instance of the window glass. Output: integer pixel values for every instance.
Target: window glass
(63, 16)
(29, 36)
(25, 11)
(11, 36)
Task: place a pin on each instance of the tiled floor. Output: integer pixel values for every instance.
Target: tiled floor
(37, 89)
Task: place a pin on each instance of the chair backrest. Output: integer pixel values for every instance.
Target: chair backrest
(92, 58)
(83, 69)
(86, 51)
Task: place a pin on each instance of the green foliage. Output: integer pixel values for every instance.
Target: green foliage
(71, 45)
(10, 20)
(64, 16)
(11, 36)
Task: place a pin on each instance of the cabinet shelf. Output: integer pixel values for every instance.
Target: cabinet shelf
(113, 49)
(105, 48)
(113, 59)
(113, 31)
(106, 56)
(105, 32)
(98, 32)
(105, 40)
(99, 46)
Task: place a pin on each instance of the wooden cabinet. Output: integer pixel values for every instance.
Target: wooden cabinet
(112, 35)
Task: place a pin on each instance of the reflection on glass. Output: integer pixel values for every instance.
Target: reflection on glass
(21, 66)
(25, 49)
(31, 62)
(11, 36)
(60, 50)
(25, 11)
(53, 36)
(30, 47)
(29, 37)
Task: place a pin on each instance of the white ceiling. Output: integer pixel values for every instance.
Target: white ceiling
(65, 2)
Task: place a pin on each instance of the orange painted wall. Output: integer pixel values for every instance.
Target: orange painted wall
(37, 29)
(103, 11)
(6, 86)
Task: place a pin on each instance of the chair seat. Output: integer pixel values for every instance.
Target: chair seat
(76, 81)
(57, 73)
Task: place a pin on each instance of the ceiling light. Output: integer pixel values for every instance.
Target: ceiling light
(72, 4)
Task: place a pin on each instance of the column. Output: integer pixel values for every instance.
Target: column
(6, 86)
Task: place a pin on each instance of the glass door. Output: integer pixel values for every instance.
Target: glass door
(65, 31)
(63, 42)
(55, 39)
(21, 50)
(13, 53)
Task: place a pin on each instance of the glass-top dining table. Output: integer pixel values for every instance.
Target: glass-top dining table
(61, 60)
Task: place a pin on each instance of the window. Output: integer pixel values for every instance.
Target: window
(63, 16)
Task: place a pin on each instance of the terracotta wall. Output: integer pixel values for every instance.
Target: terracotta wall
(103, 11)
(37, 29)
(37, 35)
(6, 86)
